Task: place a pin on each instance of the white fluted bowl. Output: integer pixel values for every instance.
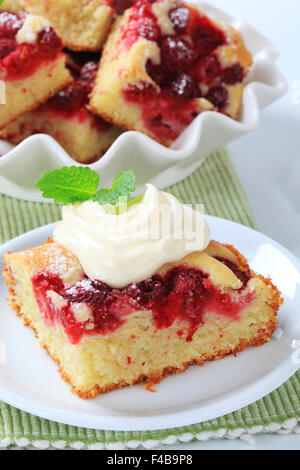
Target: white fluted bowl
(23, 165)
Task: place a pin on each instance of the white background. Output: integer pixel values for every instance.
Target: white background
(268, 160)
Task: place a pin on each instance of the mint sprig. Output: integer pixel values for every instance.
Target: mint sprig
(70, 185)
(106, 196)
(122, 185)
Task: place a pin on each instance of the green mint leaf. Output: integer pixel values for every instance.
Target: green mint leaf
(106, 196)
(69, 184)
(102, 195)
(124, 183)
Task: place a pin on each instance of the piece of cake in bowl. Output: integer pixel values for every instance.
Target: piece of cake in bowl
(164, 63)
(82, 25)
(119, 297)
(32, 64)
(65, 117)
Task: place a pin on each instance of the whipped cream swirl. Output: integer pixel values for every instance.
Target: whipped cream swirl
(132, 246)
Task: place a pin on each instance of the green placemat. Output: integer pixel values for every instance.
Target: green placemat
(216, 185)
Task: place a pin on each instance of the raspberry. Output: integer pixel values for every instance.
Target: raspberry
(7, 45)
(207, 37)
(233, 75)
(72, 98)
(208, 69)
(177, 54)
(146, 292)
(120, 6)
(147, 28)
(135, 292)
(9, 24)
(218, 96)
(156, 72)
(88, 71)
(184, 87)
(179, 17)
(187, 280)
(50, 42)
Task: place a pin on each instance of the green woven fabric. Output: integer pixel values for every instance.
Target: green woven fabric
(216, 185)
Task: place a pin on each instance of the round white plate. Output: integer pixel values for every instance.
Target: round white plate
(29, 379)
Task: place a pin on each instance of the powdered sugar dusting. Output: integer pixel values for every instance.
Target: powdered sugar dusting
(67, 267)
(84, 284)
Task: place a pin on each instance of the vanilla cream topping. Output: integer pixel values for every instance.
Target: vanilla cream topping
(31, 27)
(132, 246)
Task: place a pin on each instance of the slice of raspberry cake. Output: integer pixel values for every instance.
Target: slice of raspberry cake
(65, 117)
(121, 298)
(32, 65)
(201, 308)
(166, 62)
(82, 25)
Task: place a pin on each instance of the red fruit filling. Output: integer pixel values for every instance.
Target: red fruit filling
(72, 100)
(119, 6)
(19, 61)
(183, 294)
(188, 68)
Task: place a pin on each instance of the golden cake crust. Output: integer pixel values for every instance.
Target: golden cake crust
(156, 378)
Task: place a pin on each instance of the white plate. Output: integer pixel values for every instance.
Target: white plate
(23, 165)
(29, 378)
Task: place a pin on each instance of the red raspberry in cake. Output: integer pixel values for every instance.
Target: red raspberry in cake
(65, 117)
(166, 56)
(32, 65)
(119, 6)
